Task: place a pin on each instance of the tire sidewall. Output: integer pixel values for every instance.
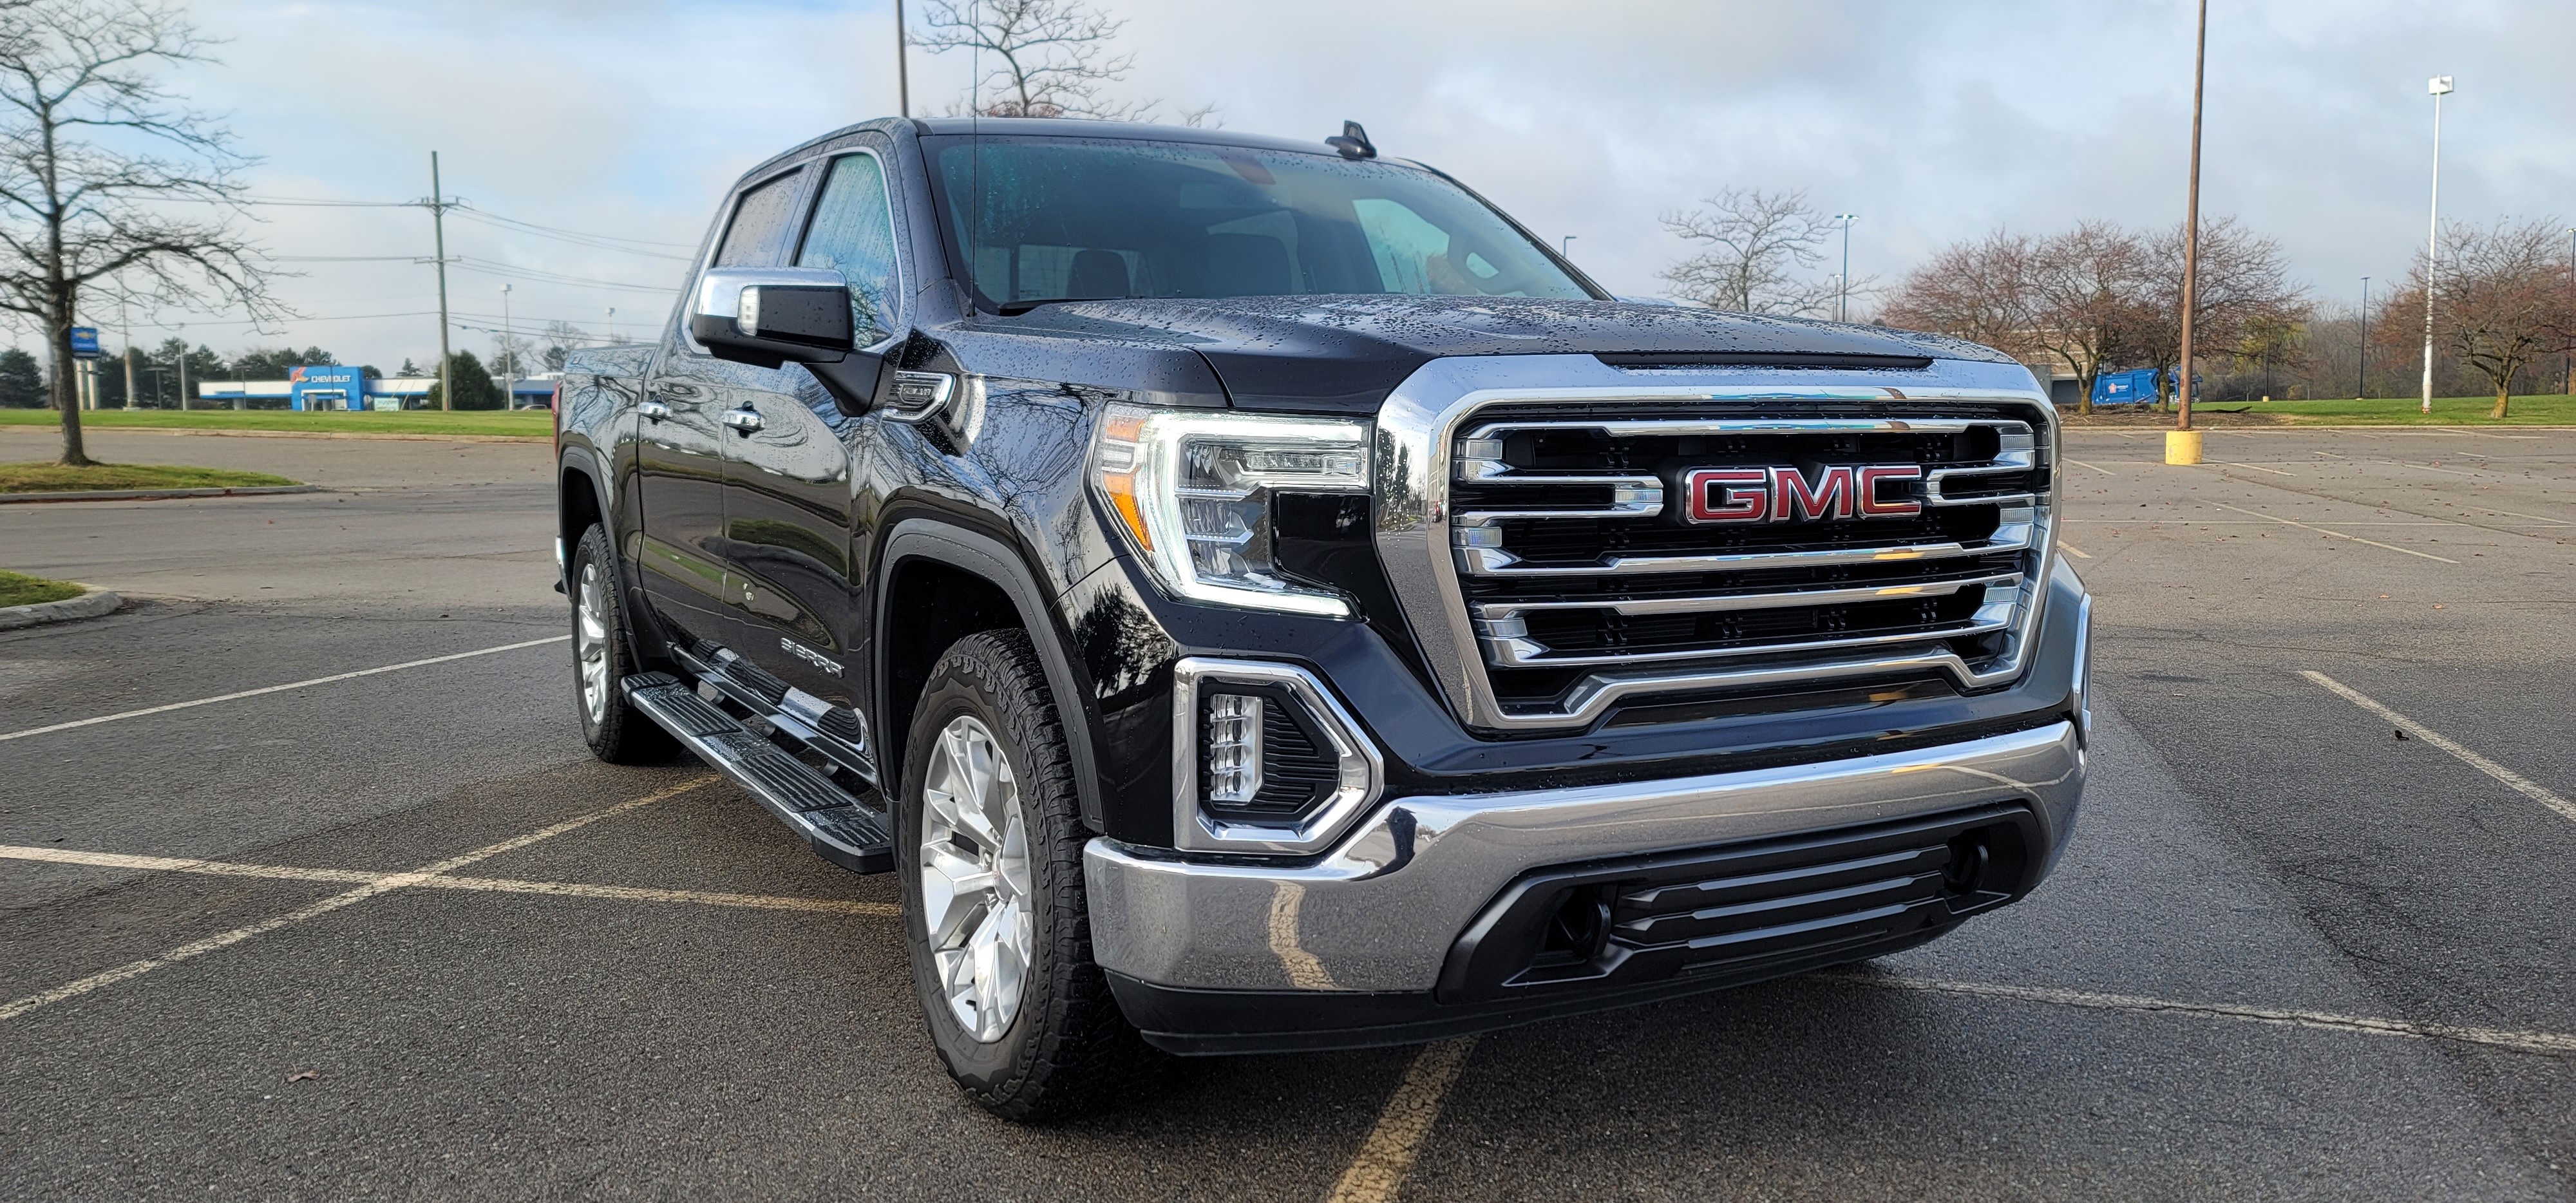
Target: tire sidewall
(997, 1069)
(586, 553)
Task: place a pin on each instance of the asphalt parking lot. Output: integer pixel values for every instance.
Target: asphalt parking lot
(396, 933)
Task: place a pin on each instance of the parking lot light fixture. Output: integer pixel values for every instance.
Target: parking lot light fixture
(2439, 86)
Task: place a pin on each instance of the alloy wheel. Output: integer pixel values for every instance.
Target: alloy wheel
(975, 882)
(590, 643)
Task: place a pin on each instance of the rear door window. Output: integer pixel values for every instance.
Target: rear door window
(758, 220)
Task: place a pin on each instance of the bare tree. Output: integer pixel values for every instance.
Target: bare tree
(2243, 280)
(560, 339)
(2085, 286)
(89, 140)
(2502, 300)
(1052, 57)
(1982, 291)
(1760, 247)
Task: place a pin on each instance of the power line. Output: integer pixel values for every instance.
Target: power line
(583, 237)
(515, 272)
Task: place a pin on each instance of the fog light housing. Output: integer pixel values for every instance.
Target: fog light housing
(1264, 759)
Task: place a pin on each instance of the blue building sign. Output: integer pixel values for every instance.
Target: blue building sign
(326, 387)
(85, 343)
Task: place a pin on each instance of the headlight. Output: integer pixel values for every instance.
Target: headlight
(1193, 492)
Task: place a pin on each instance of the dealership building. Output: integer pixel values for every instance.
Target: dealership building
(333, 387)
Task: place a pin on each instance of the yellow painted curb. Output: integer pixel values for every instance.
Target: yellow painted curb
(2182, 446)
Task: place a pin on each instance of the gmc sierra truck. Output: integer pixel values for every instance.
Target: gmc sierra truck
(1254, 596)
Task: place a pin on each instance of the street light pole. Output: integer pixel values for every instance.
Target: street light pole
(2182, 443)
(1565, 248)
(902, 67)
(2361, 389)
(1842, 296)
(2440, 86)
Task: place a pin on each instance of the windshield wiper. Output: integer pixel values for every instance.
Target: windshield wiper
(1025, 304)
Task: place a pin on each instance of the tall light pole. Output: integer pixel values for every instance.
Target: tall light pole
(612, 325)
(1842, 296)
(2182, 443)
(902, 67)
(2362, 389)
(2440, 86)
(2570, 386)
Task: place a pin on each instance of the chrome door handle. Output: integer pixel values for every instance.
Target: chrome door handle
(743, 420)
(653, 409)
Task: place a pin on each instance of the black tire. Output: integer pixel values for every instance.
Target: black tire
(1067, 1044)
(616, 732)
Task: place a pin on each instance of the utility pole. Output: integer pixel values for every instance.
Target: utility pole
(2182, 443)
(509, 367)
(902, 67)
(1842, 297)
(2439, 86)
(438, 232)
(183, 370)
(2363, 389)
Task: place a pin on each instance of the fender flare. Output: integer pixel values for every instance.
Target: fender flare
(971, 551)
(630, 591)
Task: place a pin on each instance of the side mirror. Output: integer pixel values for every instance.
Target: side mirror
(769, 316)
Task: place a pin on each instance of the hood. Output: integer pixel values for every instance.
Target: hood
(1347, 352)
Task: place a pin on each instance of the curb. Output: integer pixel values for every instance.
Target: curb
(154, 494)
(88, 605)
(389, 436)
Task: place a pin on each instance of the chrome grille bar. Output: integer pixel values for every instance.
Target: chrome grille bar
(1491, 612)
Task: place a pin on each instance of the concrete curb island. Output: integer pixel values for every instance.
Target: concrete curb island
(87, 605)
(154, 494)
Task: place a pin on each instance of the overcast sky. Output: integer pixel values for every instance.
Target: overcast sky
(1932, 121)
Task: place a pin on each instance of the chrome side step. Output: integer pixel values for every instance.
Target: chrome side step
(841, 828)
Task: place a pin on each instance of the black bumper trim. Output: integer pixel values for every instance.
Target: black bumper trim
(1203, 1023)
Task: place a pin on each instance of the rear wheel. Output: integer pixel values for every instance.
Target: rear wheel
(616, 732)
(990, 838)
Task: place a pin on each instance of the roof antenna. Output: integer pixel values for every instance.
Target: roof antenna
(1353, 143)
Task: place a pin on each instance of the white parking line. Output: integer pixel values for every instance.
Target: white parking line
(314, 910)
(2073, 550)
(2336, 534)
(2511, 780)
(2256, 467)
(2096, 467)
(2552, 1043)
(1386, 1157)
(252, 693)
(505, 885)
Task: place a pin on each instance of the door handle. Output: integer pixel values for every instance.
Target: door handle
(744, 420)
(653, 409)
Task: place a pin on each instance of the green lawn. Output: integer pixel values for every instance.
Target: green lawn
(525, 423)
(19, 589)
(2554, 410)
(55, 478)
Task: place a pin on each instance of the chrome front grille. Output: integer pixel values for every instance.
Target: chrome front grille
(1555, 526)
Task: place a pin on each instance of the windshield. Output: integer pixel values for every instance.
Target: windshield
(1043, 219)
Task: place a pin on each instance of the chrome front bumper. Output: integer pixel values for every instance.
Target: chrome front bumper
(1380, 911)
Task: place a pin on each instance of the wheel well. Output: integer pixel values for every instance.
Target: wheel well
(578, 506)
(929, 606)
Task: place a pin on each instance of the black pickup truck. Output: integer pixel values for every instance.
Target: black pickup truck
(1257, 597)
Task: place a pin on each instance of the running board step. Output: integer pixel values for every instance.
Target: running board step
(841, 828)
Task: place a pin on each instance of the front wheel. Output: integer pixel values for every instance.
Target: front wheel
(989, 836)
(616, 732)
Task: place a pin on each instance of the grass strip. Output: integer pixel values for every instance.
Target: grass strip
(2547, 410)
(20, 589)
(526, 423)
(57, 478)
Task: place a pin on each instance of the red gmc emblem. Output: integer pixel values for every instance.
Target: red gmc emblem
(1785, 494)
